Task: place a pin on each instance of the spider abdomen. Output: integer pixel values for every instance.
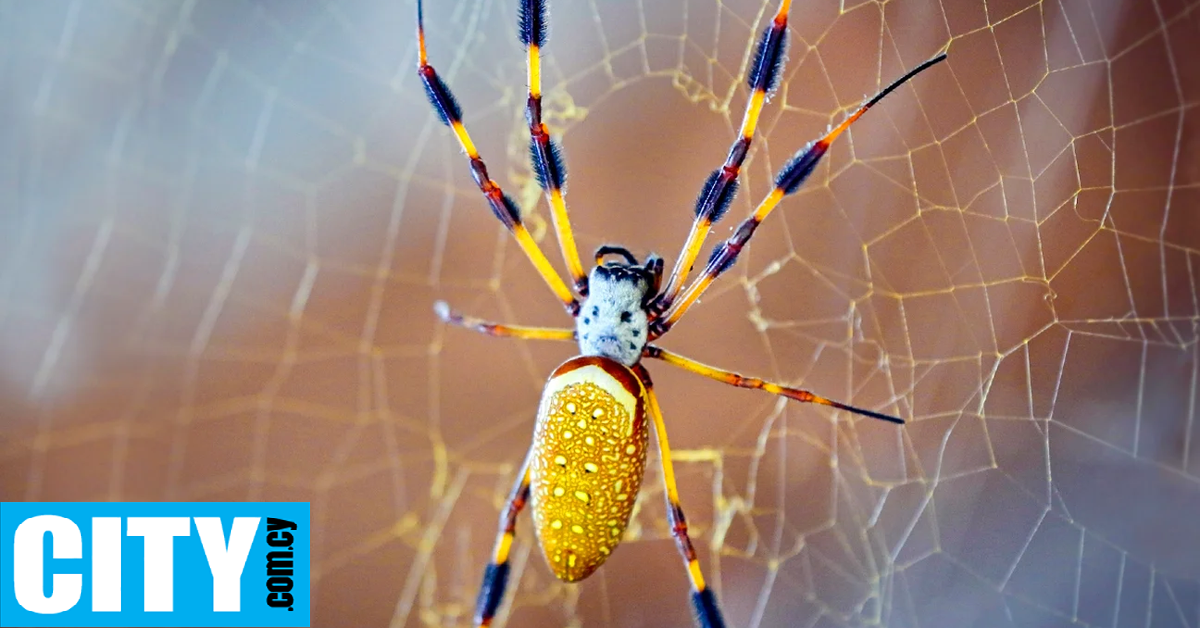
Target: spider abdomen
(588, 461)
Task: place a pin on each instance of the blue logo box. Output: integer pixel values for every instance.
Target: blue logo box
(154, 564)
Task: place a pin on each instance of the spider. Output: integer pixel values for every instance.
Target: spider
(585, 466)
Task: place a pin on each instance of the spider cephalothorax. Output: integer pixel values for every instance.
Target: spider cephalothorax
(585, 466)
(613, 321)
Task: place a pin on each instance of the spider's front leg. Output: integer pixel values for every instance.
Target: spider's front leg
(544, 152)
(793, 175)
(503, 207)
(722, 184)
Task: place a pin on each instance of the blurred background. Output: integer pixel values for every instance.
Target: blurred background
(224, 225)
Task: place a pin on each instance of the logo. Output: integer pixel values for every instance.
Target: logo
(154, 564)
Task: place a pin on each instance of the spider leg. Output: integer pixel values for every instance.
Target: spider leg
(734, 379)
(495, 575)
(544, 152)
(704, 603)
(789, 179)
(503, 207)
(722, 184)
(498, 329)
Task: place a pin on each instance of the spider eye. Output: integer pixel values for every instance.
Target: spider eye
(626, 317)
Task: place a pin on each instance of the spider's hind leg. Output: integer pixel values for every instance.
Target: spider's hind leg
(704, 602)
(495, 575)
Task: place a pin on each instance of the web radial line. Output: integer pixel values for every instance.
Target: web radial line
(722, 184)
(489, 328)
(503, 207)
(544, 153)
(741, 381)
(794, 173)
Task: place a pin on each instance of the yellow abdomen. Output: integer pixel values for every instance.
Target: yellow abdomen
(588, 463)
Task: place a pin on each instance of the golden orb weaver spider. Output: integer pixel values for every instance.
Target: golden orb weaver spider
(586, 463)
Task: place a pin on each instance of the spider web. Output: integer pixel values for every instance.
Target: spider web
(226, 224)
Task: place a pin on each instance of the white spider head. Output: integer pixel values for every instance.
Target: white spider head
(612, 320)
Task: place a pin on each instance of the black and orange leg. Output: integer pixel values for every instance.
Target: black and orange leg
(741, 381)
(722, 184)
(789, 179)
(704, 602)
(495, 576)
(544, 152)
(499, 329)
(503, 207)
